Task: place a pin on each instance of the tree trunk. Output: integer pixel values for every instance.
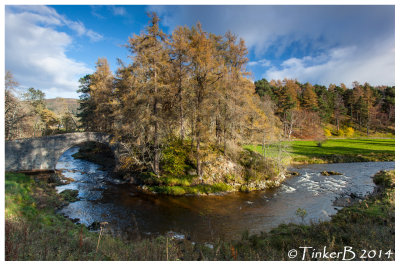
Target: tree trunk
(217, 130)
(198, 127)
(181, 103)
(198, 161)
(351, 113)
(181, 119)
(224, 141)
(263, 146)
(337, 123)
(156, 166)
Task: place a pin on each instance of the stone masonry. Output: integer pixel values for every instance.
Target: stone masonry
(42, 154)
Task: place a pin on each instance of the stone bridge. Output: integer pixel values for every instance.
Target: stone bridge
(42, 154)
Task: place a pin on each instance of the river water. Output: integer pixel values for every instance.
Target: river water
(208, 218)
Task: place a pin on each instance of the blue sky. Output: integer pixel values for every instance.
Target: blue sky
(51, 47)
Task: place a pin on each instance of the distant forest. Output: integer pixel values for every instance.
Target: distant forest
(305, 109)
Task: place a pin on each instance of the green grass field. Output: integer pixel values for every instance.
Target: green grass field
(332, 150)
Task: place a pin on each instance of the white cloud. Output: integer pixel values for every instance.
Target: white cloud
(373, 64)
(35, 52)
(261, 62)
(95, 11)
(103, 12)
(94, 36)
(118, 10)
(49, 16)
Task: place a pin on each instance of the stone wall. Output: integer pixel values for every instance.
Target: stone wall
(42, 154)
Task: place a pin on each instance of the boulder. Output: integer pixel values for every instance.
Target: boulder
(328, 173)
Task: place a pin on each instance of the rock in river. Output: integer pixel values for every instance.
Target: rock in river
(328, 173)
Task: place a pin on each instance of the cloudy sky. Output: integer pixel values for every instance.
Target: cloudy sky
(51, 47)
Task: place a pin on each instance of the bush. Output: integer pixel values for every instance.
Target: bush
(174, 158)
(257, 167)
(349, 131)
(327, 132)
(385, 179)
(340, 133)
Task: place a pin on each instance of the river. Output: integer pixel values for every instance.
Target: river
(209, 218)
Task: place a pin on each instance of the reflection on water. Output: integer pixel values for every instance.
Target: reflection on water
(204, 218)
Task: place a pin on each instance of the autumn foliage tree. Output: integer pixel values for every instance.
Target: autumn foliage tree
(310, 101)
(191, 85)
(14, 115)
(101, 89)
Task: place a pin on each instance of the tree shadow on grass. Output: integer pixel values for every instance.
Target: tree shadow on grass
(338, 150)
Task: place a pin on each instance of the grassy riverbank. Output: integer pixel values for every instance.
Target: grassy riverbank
(35, 232)
(332, 150)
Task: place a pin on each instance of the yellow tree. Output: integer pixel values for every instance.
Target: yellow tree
(310, 100)
(293, 90)
(101, 90)
(179, 72)
(150, 67)
(50, 120)
(205, 70)
(232, 89)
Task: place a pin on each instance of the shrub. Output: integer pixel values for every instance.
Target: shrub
(385, 179)
(302, 213)
(327, 132)
(257, 167)
(174, 158)
(340, 133)
(349, 131)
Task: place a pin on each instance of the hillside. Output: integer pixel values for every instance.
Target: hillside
(61, 105)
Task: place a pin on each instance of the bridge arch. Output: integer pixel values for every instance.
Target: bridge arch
(42, 154)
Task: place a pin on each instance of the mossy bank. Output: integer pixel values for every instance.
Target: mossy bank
(220, 175)
(221, 171)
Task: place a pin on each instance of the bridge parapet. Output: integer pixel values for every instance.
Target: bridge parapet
(42, 154)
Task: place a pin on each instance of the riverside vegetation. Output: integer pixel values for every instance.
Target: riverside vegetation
(34, 231)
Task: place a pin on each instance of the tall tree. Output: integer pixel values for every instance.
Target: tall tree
(36, 99)
(338, 103)
(87, 106)
(233, 89)
(206, 70)
(179, 73)
(151, 64)
(102, 95)
(13, 112)
(287, 104)
(388, 103)
(293, 90)
(369, 112)
(310, 101)
(263, 87)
